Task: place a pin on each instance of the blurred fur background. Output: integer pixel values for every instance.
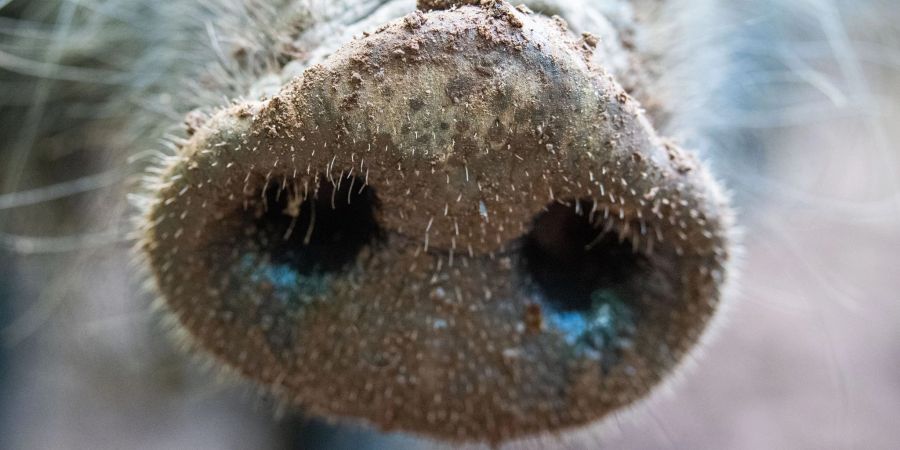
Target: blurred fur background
(793, 101)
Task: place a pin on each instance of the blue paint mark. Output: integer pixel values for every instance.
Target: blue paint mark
(290, 287)
(600, 332)
(571, 324)
(277, 274)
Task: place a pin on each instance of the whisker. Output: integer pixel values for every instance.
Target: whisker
(31, 245)
(52, 71)
(60, 190)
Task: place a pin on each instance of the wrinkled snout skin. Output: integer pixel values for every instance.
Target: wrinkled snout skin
(453, 131)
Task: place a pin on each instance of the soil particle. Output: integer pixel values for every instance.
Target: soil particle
(590, 39)
(436, 5)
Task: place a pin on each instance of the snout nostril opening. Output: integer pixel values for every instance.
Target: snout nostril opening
(320, 233)
(586, 279)
(570, 259)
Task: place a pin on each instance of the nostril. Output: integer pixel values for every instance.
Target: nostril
(288, 243)
(286, 248)
(571, 259)
(584, 276)
(313, 232)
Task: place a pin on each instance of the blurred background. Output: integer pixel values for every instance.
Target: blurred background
(801, 125)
